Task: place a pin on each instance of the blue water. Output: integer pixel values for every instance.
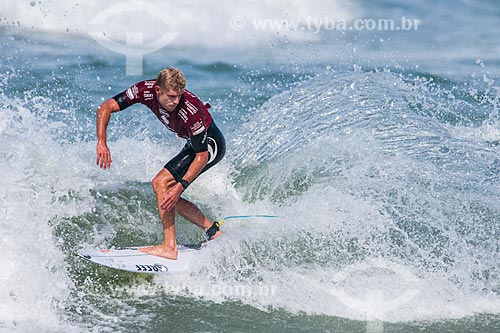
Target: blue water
(378, 150)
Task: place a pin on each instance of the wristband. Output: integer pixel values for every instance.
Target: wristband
(184, 183)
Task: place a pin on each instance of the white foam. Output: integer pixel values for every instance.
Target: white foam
(46, 179)
(259, 264)
(35, 286)
(376, 236)
(200, 23)
(488, 131)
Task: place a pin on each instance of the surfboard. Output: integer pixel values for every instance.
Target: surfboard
(132, 260)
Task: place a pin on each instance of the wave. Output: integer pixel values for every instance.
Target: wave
(382, 207)
(378, 188)
(373, 182)
(34, 182)
(48, 182)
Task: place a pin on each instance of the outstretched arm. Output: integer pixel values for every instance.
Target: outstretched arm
(104, 111)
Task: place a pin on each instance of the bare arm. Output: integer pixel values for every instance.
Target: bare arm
(104, 111)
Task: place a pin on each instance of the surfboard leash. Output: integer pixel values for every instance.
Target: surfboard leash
(215, 226)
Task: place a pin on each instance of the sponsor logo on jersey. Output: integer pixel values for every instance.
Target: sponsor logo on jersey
(183, 115)
(148, 96)
(191, 108)
(164, 119)
(129, 93)
(132, 92)
(149, 83)
(197, 128)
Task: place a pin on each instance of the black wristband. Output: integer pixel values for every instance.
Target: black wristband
(184, 183)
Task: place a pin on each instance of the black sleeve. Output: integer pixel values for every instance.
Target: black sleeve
(199, 142)
(121, 99)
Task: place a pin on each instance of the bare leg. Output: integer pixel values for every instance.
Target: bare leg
(193, 214)
(168, 249)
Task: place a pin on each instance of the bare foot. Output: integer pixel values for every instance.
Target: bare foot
(217, 234)
(160, 251)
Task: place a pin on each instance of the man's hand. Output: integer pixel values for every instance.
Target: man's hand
(102, 119)
(103, 159)
(171, 197)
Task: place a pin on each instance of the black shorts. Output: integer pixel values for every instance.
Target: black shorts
(179, 165)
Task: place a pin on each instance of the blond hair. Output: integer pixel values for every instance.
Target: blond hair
(171, 78)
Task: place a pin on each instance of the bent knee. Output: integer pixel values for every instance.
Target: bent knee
(162, 181)
(156, 183)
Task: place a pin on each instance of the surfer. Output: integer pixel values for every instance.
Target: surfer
(184, 114)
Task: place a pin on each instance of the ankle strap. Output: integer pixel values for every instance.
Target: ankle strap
(212, 230)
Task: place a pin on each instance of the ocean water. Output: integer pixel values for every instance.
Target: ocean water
(378, 149)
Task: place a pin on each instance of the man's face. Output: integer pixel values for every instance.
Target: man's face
(168, 99)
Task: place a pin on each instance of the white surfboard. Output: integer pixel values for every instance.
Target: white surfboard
(132, 260)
